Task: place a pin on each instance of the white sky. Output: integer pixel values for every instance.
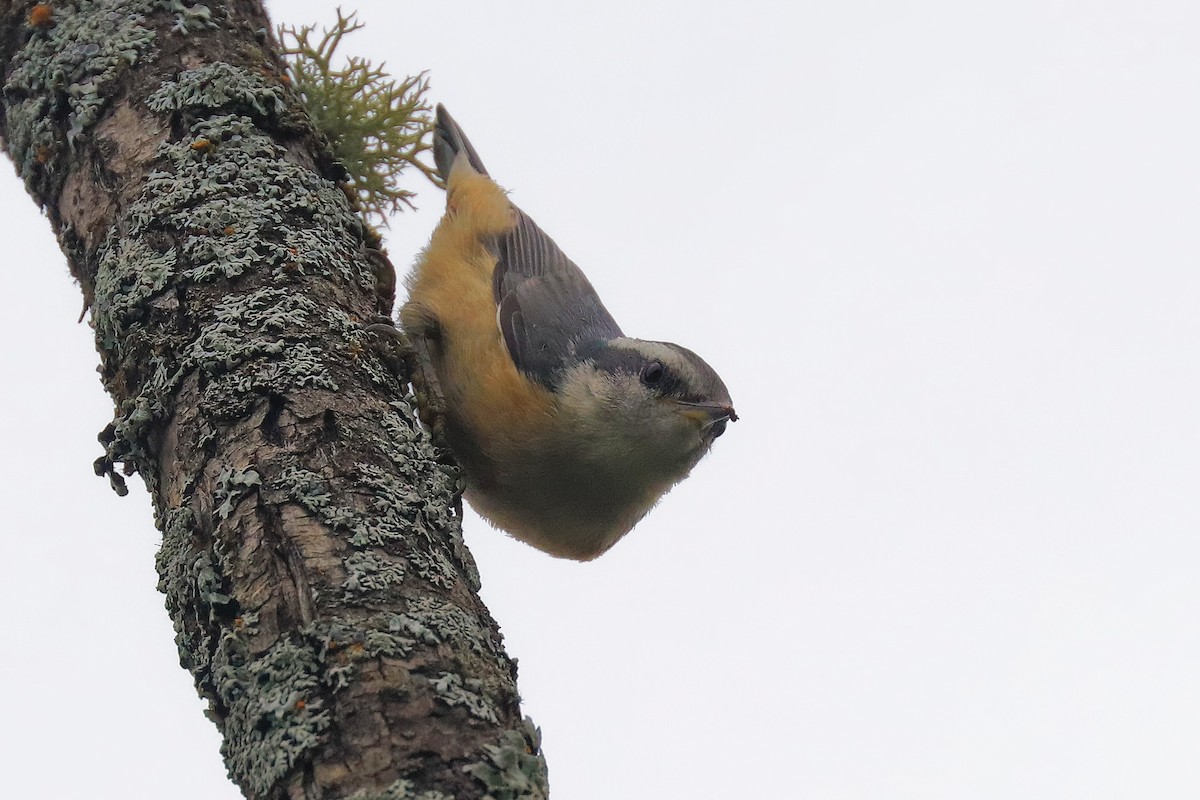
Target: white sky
(945, 257)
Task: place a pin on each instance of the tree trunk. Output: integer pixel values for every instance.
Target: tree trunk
(312, 562)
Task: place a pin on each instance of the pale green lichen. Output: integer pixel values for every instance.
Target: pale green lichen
(370, 571)
(345, 643)
(390, 636)
(383, 635)
(378, 371)
(452, 624)
(404, 624)
(125, 440)
(515, 769)
(254, 347)
(195, 588)
(270, 709)
(60, 82)
(394, 635)
(409, 452)
(400, 508)
(398, 424)
(402, 505)
(268, 309)
(310, 490)
(219, 86)
(455, 692)
(121, 295)
(246, 209)
(232, 484)
(198, 16)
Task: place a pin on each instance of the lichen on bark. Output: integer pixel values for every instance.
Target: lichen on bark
(312, 561)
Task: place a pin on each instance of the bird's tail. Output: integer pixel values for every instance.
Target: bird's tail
(449, 142)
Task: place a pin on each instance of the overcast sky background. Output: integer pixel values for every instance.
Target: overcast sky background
(945, 256)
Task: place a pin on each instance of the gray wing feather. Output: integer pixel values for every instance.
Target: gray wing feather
(546, 307)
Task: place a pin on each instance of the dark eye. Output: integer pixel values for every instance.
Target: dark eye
(653, 373)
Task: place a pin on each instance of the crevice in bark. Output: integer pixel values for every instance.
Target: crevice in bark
(270, 426)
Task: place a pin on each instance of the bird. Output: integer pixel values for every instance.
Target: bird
(566, 431)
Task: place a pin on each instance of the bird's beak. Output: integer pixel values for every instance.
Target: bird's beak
(709, 415)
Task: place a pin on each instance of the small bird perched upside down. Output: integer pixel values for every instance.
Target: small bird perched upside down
(567, 431)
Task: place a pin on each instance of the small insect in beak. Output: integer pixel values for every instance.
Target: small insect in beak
(711, 416)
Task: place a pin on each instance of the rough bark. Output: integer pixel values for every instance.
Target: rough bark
(311, 560)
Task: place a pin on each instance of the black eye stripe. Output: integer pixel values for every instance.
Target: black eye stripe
(630, 363)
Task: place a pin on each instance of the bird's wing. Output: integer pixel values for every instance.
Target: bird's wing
(546, 307)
